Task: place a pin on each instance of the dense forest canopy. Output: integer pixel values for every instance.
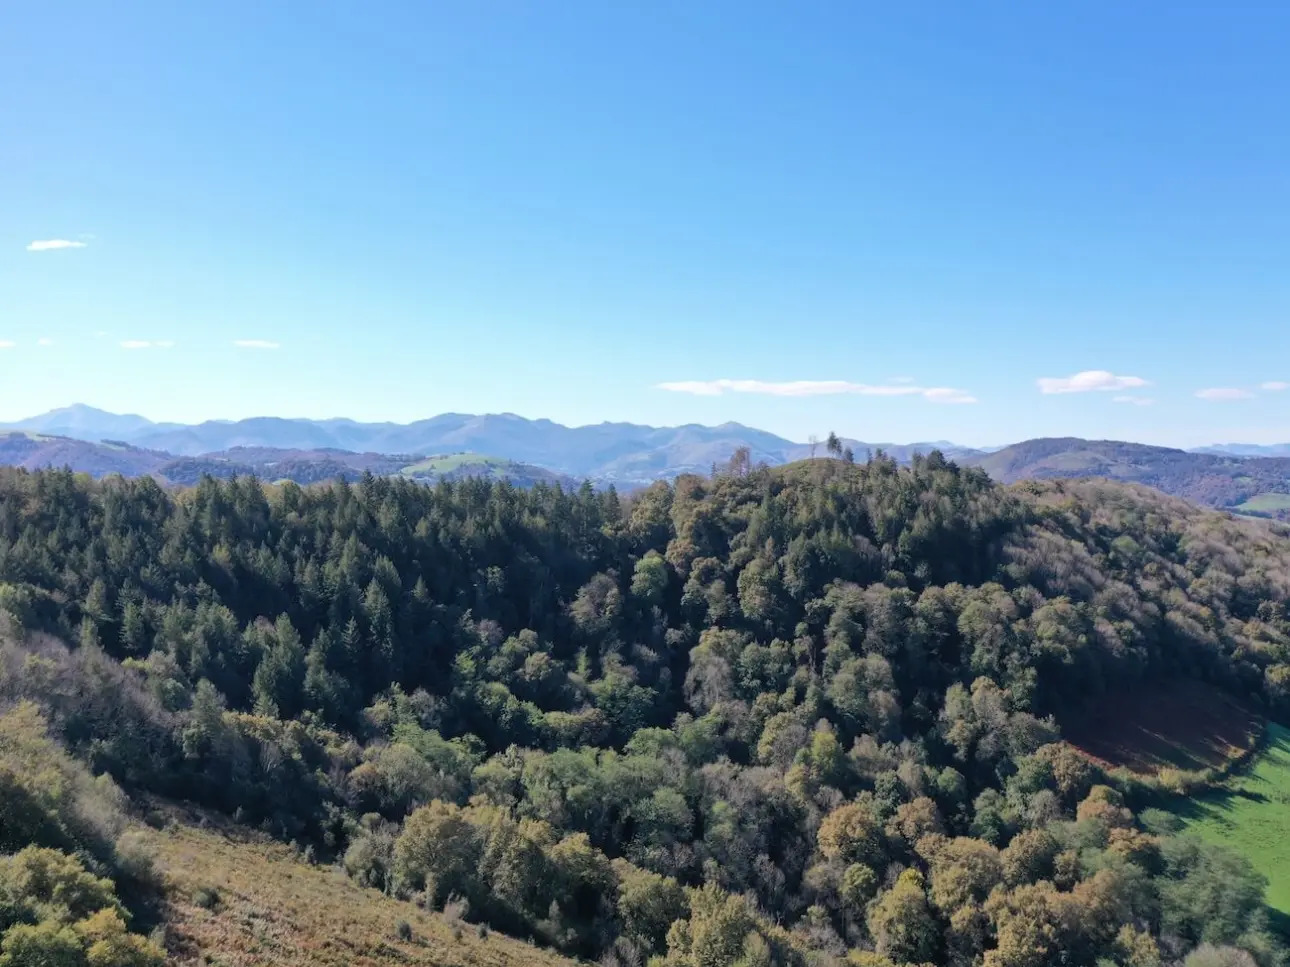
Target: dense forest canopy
(767, 717)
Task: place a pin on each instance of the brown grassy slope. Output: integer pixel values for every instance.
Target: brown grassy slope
(1182, 725)
(275, 910)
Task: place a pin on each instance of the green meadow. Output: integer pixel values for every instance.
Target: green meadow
(1251, 814)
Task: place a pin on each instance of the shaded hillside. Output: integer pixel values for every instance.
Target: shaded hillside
(1211, 479)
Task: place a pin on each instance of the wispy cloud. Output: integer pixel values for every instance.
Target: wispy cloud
(44, 341)
(147, 343)
(1134, 400)
(53, 244)
(6, 344)
(945, 394)
(256, 344)
(1220, 394)
(1274, 386)
(1089, 381)
(814, 387)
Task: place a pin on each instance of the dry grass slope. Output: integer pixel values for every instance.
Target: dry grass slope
(275, 910)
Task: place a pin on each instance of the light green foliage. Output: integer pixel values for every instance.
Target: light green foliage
(54, 913)
(648, 904)
(902, 924)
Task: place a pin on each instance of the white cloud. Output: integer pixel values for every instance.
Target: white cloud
(812, 387)
(147, 344)
(1134, 400)
(1091, 380)
(1220, 394)
(944, 394)
(256, 344)
(6, 344)
(1274, 386)
(53, 245)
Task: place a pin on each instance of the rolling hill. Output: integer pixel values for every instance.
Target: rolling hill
(34, 451)
(1215, 480)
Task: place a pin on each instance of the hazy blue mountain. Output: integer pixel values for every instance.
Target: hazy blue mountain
(625, 453)
(900, 452)
(86, 423)
(1246, 449)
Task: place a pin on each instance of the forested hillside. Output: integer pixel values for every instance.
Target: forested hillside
(1215, 479)
(778, 716)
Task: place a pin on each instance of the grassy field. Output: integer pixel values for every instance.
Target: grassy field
(1265, 503)
(1251, 814)
(275, 910)
(449, 463)
(1182, 725)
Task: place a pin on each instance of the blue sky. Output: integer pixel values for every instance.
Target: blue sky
(890, 220)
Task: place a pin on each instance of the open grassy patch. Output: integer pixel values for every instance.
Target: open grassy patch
(1265, 503)
(1181, 725)
(1251, 814)
(449, 463)
(239, 899)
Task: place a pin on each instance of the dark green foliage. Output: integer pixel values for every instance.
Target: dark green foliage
(741, 719)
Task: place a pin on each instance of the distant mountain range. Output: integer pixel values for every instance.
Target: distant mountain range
(611, 452)
(1246, 449)
(1246, 478)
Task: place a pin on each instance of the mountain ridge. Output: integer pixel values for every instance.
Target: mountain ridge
(1248, 479)
(620, 452)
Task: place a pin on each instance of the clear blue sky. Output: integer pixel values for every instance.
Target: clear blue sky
(553, 208)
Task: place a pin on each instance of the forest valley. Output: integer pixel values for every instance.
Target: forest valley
(804, 715)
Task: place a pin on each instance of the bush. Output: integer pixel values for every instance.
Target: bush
(1208, 955)
(206, 897)
(135, 858)
(403, 930)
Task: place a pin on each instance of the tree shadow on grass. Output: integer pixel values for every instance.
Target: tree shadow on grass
(1279, 923)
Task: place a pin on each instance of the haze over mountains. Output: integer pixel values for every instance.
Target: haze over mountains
(625, 452)
(1246, 478)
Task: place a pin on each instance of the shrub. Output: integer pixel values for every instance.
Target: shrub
(1208, 955)
(135, 859)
